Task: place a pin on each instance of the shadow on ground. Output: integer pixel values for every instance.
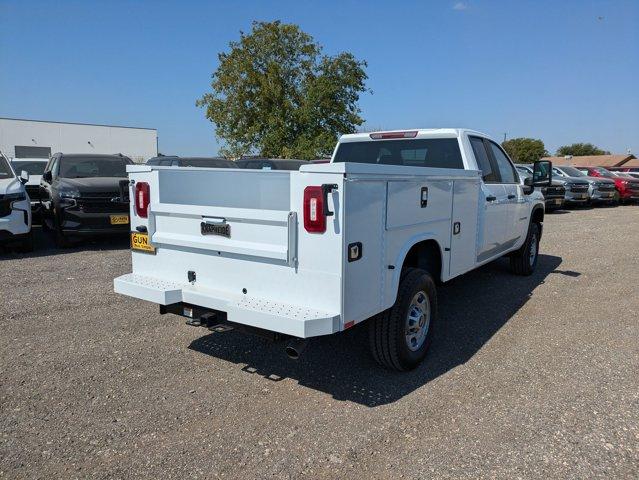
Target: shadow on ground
(472, 309)
(44, 245)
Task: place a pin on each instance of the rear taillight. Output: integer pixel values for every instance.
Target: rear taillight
(314, 218)
(142, 199)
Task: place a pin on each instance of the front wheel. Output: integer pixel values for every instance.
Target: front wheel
(400, 336)
(524, 260)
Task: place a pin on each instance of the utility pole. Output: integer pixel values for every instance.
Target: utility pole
(505, 136)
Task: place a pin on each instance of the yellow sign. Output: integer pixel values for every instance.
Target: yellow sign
(119, 219)
(140, 241)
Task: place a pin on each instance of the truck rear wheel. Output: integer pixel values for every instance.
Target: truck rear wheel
(400, 336)
(524, 260)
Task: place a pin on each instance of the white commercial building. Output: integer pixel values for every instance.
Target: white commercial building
(36, 138)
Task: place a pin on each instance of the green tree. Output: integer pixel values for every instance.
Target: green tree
(525, 150)
(578, 149)
(275, 94)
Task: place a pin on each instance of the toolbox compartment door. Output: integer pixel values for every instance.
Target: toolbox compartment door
(240, 212)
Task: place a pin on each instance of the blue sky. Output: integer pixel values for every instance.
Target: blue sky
(562, 71)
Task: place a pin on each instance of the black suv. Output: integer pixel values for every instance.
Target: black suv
(204, 162)
(85, 194)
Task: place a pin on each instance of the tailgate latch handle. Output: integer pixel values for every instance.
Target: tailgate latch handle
(326, 189)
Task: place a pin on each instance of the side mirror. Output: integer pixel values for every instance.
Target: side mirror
(542, 174)
(24, 177)
(528, 186)
(47, 177)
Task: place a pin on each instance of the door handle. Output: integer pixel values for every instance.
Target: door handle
(511, 196)
(491, 198)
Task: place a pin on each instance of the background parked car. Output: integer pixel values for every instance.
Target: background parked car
(599, 189)
(627, 188)
(35, 168)
(270, 163)
(576, 189)
(82, 194)
(553, 195)
(632, 171)
(15, 210)
(204, 162)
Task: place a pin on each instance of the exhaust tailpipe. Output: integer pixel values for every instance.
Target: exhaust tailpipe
(295, 347)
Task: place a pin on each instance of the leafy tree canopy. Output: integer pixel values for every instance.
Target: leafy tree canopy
(275, 94)
(578, 149)
(525, 150)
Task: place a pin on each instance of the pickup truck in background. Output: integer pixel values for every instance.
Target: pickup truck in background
(627, 188)
(15, 208)
(298, 254)
(554, 194)
(600, 190)
(34, 167)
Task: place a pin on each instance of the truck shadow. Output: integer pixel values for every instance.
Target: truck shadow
(472, 308)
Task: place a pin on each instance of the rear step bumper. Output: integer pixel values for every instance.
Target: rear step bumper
(295, 320)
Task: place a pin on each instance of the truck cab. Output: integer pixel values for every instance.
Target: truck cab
(299, 254)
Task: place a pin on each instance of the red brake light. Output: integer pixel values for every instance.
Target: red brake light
(314, 218)
(142, 199)
(386, 135)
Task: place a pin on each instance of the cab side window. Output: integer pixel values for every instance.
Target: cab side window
(483, 161)
(506, 169)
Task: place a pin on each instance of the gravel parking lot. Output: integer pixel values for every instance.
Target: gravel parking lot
(533, 377)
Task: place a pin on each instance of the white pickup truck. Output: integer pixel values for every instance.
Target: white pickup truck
(299, 254)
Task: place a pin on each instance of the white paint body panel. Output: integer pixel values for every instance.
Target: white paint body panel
(273, 274)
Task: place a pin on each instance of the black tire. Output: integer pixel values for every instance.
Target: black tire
(522, 262)
(26, 246)
(387, 331)
(616, 199)
(60, 239)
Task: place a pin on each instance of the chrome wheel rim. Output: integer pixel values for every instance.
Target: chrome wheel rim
(417, 321)
(533, 250)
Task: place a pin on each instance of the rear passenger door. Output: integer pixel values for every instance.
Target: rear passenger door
(493, 203)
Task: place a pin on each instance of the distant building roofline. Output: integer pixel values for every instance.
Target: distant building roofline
(76, 123)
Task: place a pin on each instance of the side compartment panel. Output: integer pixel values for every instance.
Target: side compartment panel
(464, 226)
(364, 278)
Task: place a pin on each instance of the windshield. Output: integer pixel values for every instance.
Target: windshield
(32, 168)
(83, 167)
(424, 152)
(572, 172)
(5, 169)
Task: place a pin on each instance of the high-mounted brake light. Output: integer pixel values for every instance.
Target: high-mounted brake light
(142, 199)
(314, 218)
(386, 135)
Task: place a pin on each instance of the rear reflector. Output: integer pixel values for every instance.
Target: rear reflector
(386, 135)
(142, 199)
(314, 218)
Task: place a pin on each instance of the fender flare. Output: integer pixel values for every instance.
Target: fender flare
(401, 257)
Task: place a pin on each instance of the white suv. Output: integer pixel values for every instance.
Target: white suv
(15, 208)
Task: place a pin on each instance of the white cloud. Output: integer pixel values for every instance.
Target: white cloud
(460, 6)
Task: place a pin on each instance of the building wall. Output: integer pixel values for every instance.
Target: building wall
(139, 144)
